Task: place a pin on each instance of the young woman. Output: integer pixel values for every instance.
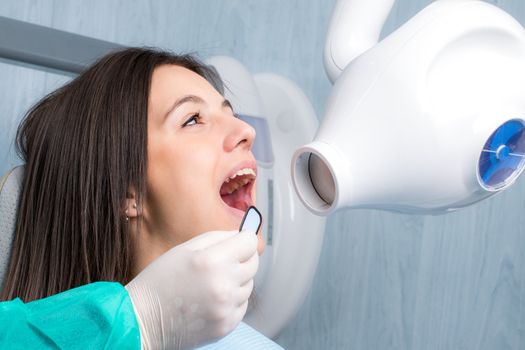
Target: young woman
(131, 158)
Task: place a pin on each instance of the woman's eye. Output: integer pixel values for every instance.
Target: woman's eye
(193, 120)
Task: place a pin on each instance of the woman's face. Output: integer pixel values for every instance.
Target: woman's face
(196, 146)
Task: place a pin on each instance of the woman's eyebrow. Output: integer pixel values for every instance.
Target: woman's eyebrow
(194, 99)
(182, 100)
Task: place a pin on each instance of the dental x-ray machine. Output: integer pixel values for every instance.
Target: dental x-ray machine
(428, 120)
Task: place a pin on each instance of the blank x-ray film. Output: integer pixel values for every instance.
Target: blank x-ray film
(252, 220)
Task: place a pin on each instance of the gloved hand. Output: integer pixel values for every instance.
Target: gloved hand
(197, 291)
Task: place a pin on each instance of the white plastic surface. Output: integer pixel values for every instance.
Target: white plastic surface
(407, 120)
(355, 27)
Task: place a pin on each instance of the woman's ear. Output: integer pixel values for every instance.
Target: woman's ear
(130, 208)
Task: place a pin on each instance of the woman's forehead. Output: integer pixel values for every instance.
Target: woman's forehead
(177, 78)
(171, 82)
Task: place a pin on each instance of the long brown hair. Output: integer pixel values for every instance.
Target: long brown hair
(85, 146)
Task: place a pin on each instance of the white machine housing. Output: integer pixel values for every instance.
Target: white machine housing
(408, 118)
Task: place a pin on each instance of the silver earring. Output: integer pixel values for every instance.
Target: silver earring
(127, 217)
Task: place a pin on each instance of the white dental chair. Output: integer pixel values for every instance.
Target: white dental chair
(10, 190)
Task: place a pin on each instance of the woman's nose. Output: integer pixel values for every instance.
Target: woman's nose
(240, 134)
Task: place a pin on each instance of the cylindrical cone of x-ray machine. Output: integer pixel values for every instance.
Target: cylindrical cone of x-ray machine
(429, 120)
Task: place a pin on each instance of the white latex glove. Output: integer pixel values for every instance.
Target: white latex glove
(197, 291)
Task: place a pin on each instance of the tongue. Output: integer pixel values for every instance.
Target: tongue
(239, 199)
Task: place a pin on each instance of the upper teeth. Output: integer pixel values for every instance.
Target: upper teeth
(245, 171)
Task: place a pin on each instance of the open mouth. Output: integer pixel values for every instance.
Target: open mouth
(236, 190)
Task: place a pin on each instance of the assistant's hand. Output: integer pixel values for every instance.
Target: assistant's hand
(197, 291)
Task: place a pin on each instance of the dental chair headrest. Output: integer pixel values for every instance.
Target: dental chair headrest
(10, 189)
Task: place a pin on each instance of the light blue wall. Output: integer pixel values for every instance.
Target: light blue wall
(385, 281)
